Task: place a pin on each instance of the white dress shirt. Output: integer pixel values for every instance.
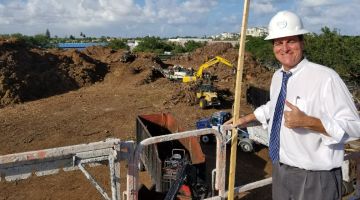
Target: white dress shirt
(319, 92)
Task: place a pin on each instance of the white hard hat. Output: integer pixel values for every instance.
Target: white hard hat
(285, 23)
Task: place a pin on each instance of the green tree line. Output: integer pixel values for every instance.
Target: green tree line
(342, 53)
(146, 44)
(159, 46)
(39, 40)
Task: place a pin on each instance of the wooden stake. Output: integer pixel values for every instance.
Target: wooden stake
(236, 111)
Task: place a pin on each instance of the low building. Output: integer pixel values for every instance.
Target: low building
(257, 31)
(182, 41)
(254, 31)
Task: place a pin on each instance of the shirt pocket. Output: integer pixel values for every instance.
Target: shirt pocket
(302, 104)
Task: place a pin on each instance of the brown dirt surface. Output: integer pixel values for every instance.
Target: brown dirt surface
(51, 98)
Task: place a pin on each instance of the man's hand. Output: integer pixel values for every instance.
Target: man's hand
(225, 127)
(298, 119)
(241, 122)
(237, 123)
(228, 125)
(294, 118)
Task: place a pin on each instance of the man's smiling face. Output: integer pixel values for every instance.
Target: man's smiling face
(288, 51)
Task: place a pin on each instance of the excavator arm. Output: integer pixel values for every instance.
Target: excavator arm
(209, 63)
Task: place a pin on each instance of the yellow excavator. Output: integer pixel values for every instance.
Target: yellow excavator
(209, 63)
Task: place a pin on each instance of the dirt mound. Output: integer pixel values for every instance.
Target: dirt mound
(141, 71)
(29, 74)
(103, 54)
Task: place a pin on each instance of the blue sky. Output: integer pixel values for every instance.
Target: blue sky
(167, 18)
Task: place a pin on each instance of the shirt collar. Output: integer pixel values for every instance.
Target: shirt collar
(298, 67)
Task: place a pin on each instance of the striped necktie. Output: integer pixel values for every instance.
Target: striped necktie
(274, 145)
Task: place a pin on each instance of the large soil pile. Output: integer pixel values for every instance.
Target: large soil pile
(29, 74)
(53, 98)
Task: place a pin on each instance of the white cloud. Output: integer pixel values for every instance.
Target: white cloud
(190, 17)
(78, 12)
(232, 19)
(199, 6)
(341, 15)
(187, 12)
(310, 3)
(262, 6)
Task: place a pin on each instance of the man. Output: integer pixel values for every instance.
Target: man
(310, 116)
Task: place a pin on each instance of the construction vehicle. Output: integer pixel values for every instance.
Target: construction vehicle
(199, 73)
(206, 96)
(175, 73)
(176, 168)
(214, 121)
(247, 137)
(178, 72)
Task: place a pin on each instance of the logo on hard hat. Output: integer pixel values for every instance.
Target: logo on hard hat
(281, 24)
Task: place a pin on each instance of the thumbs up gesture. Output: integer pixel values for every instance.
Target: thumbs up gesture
(295, 118)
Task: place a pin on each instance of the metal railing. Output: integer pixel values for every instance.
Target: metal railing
(51, 161)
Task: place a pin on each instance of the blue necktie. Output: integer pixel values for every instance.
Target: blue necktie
(274, 145)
